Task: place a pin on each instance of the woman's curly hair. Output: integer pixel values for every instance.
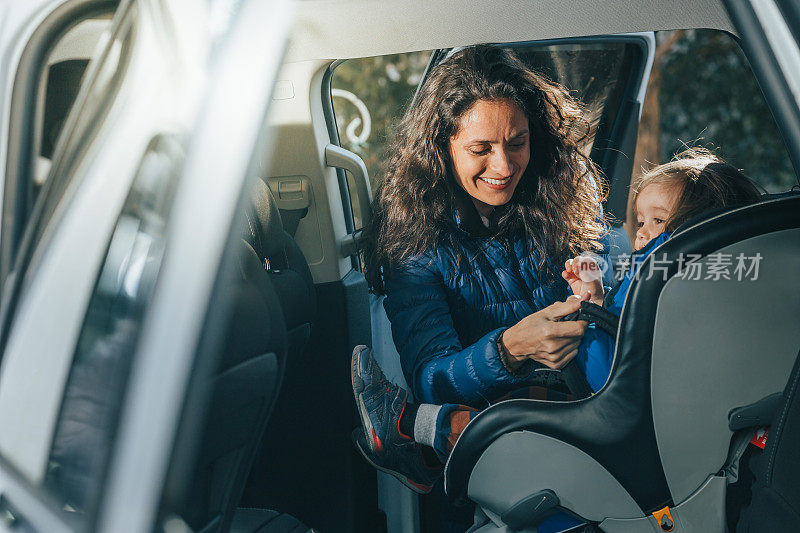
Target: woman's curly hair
(556, 203)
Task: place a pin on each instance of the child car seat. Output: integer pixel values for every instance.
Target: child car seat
(650, 449)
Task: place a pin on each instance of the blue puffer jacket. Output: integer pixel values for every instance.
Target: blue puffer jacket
(446, 317)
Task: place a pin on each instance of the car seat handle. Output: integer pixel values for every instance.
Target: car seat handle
(531, 510)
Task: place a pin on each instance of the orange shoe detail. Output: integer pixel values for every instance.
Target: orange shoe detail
(403, 410)
(377, 441)
(419, 486)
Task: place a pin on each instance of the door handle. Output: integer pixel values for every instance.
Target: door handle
(338, 157)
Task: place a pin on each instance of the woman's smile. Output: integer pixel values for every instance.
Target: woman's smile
(496, 184)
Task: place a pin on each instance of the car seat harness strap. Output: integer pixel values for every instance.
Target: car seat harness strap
(603, 319)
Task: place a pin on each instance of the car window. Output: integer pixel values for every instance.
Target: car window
(84, 120)
(370, 95)
(595, 72)
(95, 387)
(702, 92)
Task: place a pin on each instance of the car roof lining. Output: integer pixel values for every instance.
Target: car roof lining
(344, 29)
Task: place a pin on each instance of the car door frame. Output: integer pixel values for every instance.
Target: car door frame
(234, 100)
(399, 504)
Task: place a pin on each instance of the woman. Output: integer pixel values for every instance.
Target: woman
(487, 193)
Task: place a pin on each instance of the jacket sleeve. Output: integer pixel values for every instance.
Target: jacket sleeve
(437, 368)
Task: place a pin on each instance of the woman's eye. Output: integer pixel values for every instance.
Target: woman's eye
(480, 152)
(658, 221)
(639, 224)
(517, 144)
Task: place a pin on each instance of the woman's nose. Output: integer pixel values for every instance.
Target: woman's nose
(501, 163)
(642, 233)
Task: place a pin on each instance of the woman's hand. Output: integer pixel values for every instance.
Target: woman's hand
(585, 278)
(541, 337)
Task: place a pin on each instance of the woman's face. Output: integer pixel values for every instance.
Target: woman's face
(490, 152)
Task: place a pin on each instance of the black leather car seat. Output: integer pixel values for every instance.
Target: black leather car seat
(285, 265)
(288, 271)
(656, 436)
(269, 324)
(244, 388)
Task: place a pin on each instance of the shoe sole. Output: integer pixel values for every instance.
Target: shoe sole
(419, 489)
(358, 390)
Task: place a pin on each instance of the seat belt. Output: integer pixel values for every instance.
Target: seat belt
(603, 319)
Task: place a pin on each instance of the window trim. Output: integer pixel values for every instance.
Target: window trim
(22, 114)
(333, 133)
(21, 259)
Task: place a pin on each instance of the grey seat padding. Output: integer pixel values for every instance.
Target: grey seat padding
(615, 426)
(265, 521)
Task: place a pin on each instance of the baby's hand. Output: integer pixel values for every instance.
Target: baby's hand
(585, 278)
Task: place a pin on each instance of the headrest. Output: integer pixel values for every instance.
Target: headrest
(714, 212)
(264, 229)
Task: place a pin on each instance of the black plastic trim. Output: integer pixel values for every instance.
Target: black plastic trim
(764, 65)
(333, 133)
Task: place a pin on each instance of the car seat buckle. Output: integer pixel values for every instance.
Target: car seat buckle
(664, 519)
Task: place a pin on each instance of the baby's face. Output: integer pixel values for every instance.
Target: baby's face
(654, 206)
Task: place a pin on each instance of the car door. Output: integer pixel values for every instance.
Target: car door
(120, 261)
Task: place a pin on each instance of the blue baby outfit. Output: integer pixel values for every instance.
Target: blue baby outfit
(596, 351)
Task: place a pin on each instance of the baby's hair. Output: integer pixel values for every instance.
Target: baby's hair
(706, 181)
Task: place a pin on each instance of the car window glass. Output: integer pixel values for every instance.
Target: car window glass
(596, 73)
(370, 96)
(702, 93)
(95, 387)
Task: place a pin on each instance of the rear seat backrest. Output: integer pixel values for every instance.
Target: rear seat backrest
(285, 265)
(721, 343)
(287, 269)
(244, 389)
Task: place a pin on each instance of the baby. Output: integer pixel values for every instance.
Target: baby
(665, 198)
(396, 435)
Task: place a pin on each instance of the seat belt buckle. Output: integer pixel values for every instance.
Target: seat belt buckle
(759, 438)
